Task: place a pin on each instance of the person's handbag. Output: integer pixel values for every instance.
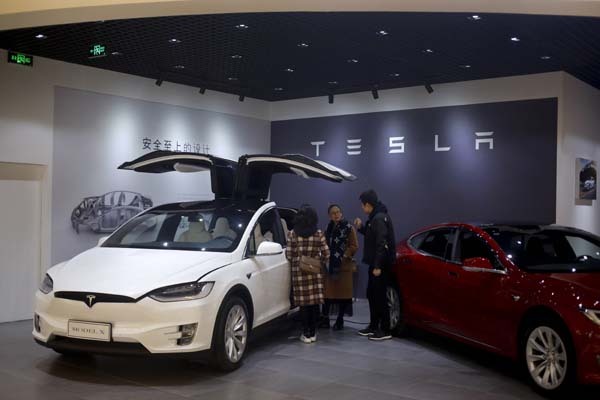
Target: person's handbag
(310, 265)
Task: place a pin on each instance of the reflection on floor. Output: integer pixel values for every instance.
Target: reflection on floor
(341, 365)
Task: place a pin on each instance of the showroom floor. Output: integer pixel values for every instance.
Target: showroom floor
(340, 365)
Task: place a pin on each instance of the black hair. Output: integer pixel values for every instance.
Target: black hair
(333, 205)
(306, 220)
(369, 197)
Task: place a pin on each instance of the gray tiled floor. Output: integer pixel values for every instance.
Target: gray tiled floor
(340, 365)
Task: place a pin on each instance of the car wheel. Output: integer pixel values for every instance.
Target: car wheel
(548, 356)
(231, 335)
(397, 323)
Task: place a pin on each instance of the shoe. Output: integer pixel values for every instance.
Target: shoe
(313, 338)
(366, 332)
(338, 326)
(380, 335)
(305, 339)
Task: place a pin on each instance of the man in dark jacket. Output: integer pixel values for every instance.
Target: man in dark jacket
(378, 254)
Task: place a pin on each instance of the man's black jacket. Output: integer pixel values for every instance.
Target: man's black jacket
(380, 243)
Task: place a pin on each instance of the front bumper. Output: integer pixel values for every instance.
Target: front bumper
(588, 356)
(153, 325)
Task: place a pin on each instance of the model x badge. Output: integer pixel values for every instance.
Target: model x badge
(91, 299)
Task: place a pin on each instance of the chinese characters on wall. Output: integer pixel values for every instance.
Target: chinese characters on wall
(174, 145)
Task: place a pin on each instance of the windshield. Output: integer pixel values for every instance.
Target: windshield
(549, 250)
(201, 230)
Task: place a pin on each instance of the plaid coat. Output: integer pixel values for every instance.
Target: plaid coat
(307, 288)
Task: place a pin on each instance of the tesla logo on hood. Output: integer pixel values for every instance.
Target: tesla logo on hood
(91, 299)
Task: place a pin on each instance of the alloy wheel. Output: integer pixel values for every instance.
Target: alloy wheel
(546, 357)
(393, 306)
(236, 333)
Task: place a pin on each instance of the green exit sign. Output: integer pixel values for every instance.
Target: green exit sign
(97, 50)
(20, 58)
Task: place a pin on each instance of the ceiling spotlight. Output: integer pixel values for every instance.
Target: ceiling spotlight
(475, 17)
(242, 26)
(515, 39)
(375, 94)
(428, 88)
(232, 79)
(303, 45)
(289, 70)
(158, 82)
(545, 57)
(41, 37)
(330, 96)
(179, 66)
(174, 40)
(333, 83)
(466, 66)
(202, 90)
(352, 60)
(116, 53)
(237, 56)
(382, 33)
(278, 89)
(394, 74)
(242, 97)
(428, 51)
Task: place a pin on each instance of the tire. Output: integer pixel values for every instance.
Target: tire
(230, 336)
(395, 307)
(544, 341)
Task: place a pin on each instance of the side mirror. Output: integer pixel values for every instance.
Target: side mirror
(102, 240)
(478, 262)
(269, 249)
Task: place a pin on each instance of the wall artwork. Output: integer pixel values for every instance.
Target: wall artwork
(585, 176)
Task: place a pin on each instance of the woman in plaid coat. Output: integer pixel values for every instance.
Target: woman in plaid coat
(307, 287)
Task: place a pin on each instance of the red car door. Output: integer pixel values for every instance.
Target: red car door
(480, 301)
(422, 274)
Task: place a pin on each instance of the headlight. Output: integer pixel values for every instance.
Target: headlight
(593, 315)
(47, 285)
(186, 291)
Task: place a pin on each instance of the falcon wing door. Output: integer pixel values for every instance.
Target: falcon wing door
(255, 172)
(222, 171)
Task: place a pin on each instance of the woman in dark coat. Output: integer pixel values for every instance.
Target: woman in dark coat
(307, 287)
(343, 244)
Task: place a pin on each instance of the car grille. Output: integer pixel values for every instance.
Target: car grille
(90, 298)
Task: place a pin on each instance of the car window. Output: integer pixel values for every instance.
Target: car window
(268, 228)
(583, 247)
(438, 242)
(473, 245)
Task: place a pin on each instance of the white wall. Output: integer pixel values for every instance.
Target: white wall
(579, 137)
(27, 109)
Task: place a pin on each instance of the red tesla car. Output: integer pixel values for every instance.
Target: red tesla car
(531, 293)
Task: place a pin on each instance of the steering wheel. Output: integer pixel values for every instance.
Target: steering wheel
(223, 237)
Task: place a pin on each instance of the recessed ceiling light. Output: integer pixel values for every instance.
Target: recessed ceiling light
(116, 53)
(40, 36)
(237, 56)
(242, 26)
(289, 70)
(382, 33)
(545, 57)
(465, 66)
(303, 45)
(179, 66)
(174, 40)
(352, 60)
(428, 51)
(394, 75)
(475, 17)
(278, 89)
(333, 82)
(515, 39)
(232, 78)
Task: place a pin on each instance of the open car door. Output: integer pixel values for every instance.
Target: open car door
(222, 171)
(254, 172)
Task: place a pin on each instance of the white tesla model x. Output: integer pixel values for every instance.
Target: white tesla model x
(193, 277)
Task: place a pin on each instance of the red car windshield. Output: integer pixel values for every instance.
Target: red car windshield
(549, 250)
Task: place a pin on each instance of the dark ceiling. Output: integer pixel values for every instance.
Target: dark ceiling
(278, 56)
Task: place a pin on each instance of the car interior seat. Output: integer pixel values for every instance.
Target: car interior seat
(258, 236)
(222, 228)
(196, 233)
(285, 228)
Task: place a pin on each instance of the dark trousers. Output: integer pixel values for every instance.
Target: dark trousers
(310, 316)
(378, 305)
(343, 306)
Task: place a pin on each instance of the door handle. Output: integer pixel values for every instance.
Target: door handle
(453, 274)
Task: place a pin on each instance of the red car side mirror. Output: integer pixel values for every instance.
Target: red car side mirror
(478, 262)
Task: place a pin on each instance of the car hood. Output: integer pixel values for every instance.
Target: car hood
(587, 281)
(133, 272)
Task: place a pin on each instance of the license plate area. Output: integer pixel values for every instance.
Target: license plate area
(90, 330)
